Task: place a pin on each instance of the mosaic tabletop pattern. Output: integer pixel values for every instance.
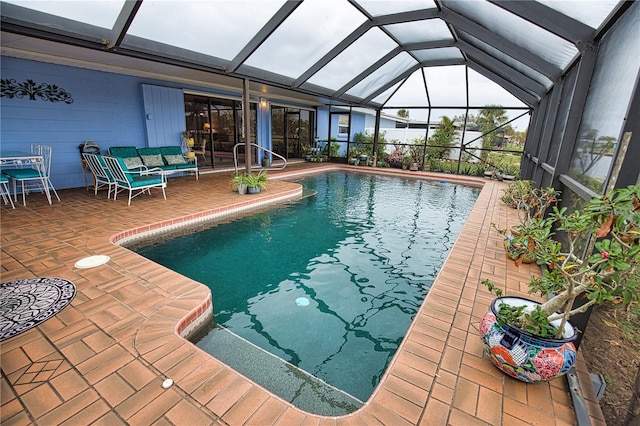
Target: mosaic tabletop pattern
(28, 302)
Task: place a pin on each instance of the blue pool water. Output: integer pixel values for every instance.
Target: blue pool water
(331, 283)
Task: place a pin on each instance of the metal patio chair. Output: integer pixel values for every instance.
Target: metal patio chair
(4, 190)
(102, 177)
(141, 179)
(34, 179)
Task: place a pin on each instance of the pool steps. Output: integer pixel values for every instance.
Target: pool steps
(279, 376)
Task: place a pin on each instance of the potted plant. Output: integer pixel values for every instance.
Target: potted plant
(531, 203)
(516, 192)
(239, 182)
(306, 151)
(598, 263)
(256, 182)
(354, 155)
(404, 161)
(511, 171)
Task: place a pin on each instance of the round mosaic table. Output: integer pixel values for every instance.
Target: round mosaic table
(28, 302)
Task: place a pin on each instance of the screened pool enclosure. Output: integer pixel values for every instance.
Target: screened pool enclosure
(540, 89)
(547, 90)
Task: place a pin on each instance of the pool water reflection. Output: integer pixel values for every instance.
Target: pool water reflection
(331, 283)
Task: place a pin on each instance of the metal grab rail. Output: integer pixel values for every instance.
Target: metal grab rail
(235, 157)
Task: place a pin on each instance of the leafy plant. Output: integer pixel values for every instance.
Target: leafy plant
(479, 169)
(516, 192)
(257, 180)
(535, 319)
(511, 169)
(306, 149)
(395, 159)
(238, 179)
(331, 149)
(442, 140)
(600, 260)
(531, 202)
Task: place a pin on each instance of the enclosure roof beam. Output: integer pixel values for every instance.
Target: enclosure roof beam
(502, 69)
(329, 56)
(435, 44)
(124, 20)
(550, 19)
(278, 18)
(526, 97)
(414, 15)
(390, 83)
(396, 18)
(380, 62)
(458, 21)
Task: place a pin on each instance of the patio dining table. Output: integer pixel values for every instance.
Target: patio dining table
(20, 159)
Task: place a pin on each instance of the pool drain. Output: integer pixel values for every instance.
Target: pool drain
(302, 301)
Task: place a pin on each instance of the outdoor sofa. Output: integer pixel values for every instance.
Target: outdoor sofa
(168, 158)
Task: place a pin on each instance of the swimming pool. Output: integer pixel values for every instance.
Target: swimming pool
(329, 284)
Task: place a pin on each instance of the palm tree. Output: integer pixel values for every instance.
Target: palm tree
(442, 140)
(490, 119)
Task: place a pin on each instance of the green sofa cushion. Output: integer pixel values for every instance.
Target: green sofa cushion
(149, 151)
(123, 151)
(186, 166)
(139, 181)
(171, 150)
(22, 173)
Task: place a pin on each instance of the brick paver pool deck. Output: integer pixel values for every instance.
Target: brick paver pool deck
(103, 359)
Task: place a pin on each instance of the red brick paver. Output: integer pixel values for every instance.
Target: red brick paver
(103, 359)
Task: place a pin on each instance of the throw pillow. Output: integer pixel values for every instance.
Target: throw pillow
(132, 162)
(174, 160)
(152, 160)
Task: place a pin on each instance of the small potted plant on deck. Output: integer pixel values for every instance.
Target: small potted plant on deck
(531, 203)
(354, 155)
(306, 151)
(516, 192)
(256, 182)
(598, 263)
(239, 182)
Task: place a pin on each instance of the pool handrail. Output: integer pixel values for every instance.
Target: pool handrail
(268, 151)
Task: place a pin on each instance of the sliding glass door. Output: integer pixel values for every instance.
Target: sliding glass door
(215, 124)
(291, 130)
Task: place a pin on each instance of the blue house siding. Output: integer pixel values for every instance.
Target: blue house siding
(163, 114)
(111, 109)
(322, 130)
(357, 123)
(106, 108)
(385, 123)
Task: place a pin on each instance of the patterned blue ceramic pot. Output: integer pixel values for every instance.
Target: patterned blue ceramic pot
(523, 355)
